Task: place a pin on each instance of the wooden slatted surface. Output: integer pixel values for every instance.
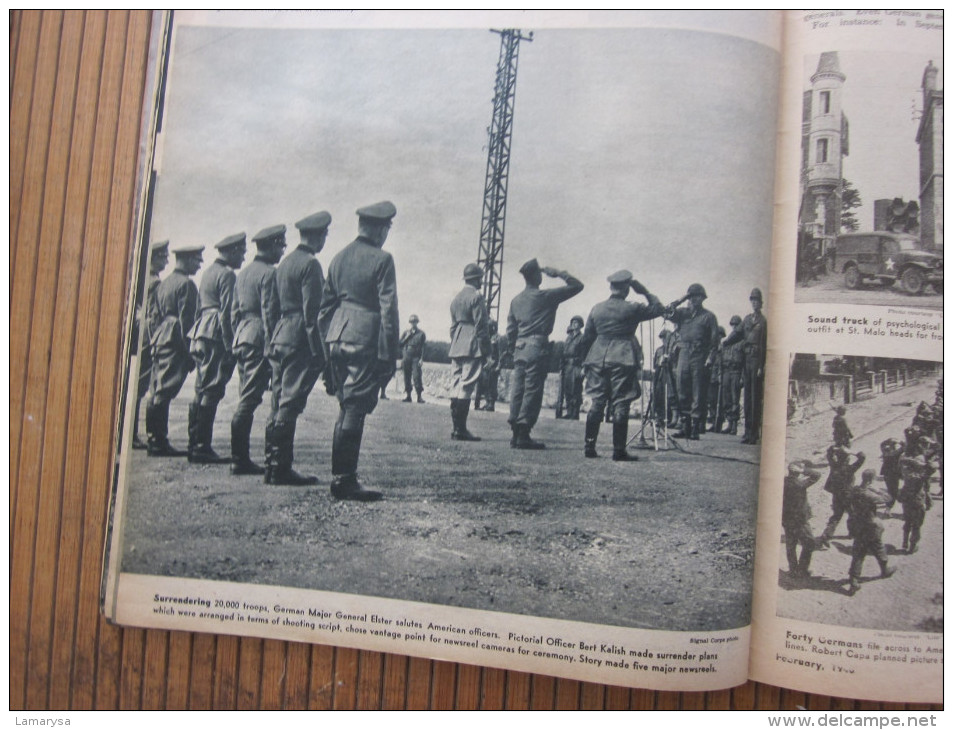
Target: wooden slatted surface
(76, 82)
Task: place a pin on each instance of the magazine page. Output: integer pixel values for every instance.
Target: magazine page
(849, 598)
(359, 415)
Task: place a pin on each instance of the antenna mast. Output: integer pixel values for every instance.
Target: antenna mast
(493, 224)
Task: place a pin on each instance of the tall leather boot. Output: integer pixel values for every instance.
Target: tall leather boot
(593, 421)
(460, 432)
(455, 417)
(684, 430)
(523, 440)
(271, 452)
(193, 428)
(157, 427)
(241, 449)
(283, 474)
(345, 452)
(203, 453)
(732, 427)
(620, 437)
(696, 429)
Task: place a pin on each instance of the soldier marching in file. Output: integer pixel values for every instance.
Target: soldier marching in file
(283, 325)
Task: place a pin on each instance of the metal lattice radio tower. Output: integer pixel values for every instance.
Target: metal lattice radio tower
(493, 224)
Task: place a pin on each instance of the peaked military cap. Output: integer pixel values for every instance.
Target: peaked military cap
(316, 222)
(185, 250)
(756, 294)
(472, 271)
(697, 289)
(622, 276)
(735, 319)
(383, 211)
(159, 246)
(531, 266)
(266, 234)
(229, 241)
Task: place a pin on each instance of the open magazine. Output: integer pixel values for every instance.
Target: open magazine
(351, 415)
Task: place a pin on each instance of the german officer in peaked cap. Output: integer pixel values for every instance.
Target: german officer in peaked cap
(296, 354)
(754, 334)
(360, 325)
(698, 336)
(469, 346)
(529, 323)
(614, 360)
(211, 347)
(177, 300)
(148, 319)
(254, 315)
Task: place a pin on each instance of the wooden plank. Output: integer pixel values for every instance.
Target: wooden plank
(321, 689)
(296, 680)
(225, 683)
(273, 671)
(155, 670)
(26, 427)
(180, 670)
(201, 689)
(64, 671)
(493, 689)
(568, 694)
(48, 374)
(394, 692)
(517, 690)
(469, 687)
(542, 692)
(369, 680)
(345, 679)
(418, 683)
(250, 653)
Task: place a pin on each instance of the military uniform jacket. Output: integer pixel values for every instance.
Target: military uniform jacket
(469, 331)
(177, 300)
(610, 331)
(733, 355)
(359, 309)
(795, 507)
(697, 330)
(754, 334)
(150, 313)
(299, 280)
(574, 349)
(412, 342)
(215, 304)
(533, 310)
(255, 307)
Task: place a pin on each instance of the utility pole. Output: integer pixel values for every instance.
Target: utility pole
(493, 225)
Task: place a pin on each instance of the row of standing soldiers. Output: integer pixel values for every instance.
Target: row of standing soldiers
(282, 325)
(910, 461)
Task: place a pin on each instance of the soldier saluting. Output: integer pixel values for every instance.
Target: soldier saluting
(177, 300)
(211, 347)
(614, 359)
(360, 325)
(296, 353)
(697, 336)
(255, 312)
(528, 326)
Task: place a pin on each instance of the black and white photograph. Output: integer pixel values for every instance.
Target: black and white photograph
(348, 379)
(870, 224)
(862, 509)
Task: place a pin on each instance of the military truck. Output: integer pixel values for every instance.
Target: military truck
(884, 258)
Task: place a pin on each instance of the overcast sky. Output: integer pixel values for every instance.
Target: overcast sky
(646, 149)
(882, 98)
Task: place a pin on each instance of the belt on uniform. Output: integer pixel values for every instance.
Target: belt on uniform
(360, 307)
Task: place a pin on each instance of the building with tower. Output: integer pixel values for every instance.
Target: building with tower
(930, 140)
(824, 144)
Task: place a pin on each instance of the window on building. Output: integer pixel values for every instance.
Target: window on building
(822, 150)
(825, 102)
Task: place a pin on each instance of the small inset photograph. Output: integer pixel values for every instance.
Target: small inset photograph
(862, 514)
(870, 224)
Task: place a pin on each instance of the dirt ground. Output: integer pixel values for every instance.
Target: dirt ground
(912, 599)
(830, 288)
(665, 543)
